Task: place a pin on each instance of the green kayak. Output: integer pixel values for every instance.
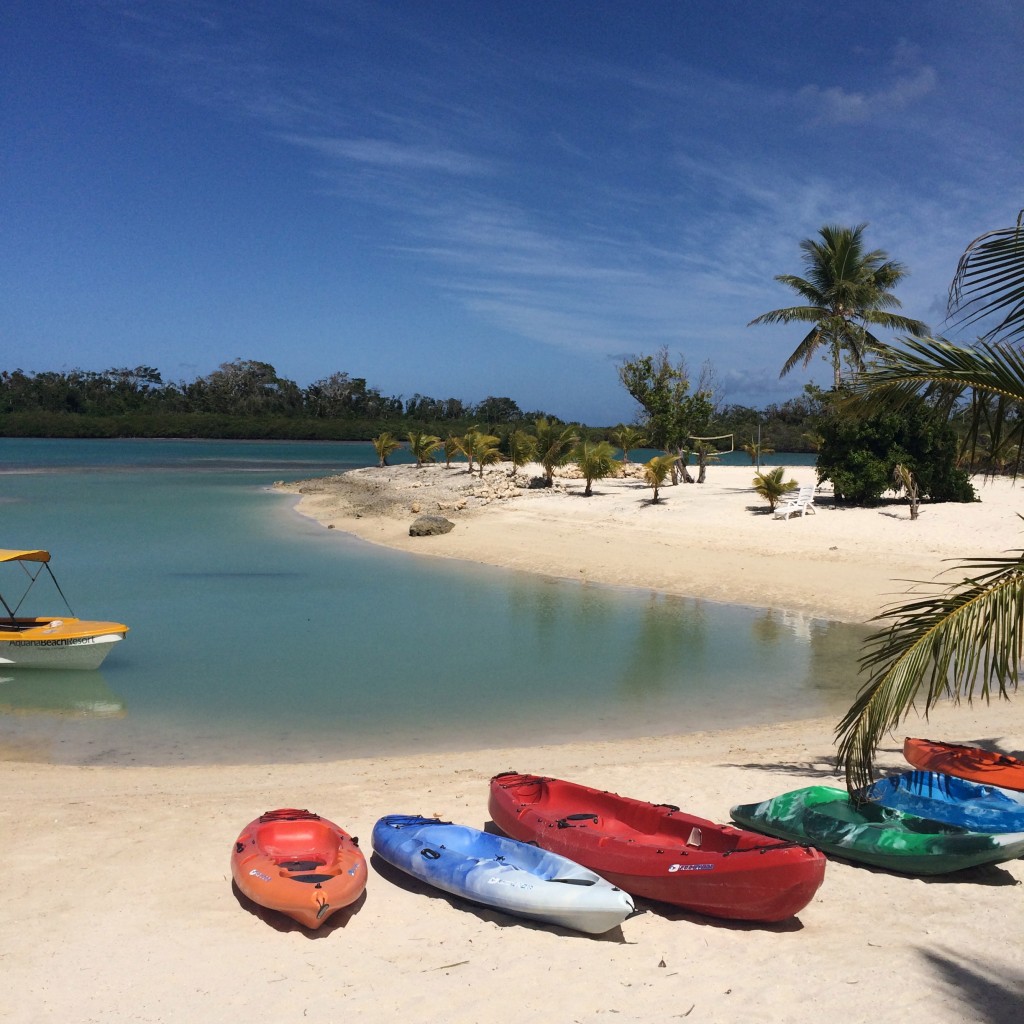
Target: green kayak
(826, 818)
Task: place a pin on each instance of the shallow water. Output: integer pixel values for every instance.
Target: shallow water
(256, 635)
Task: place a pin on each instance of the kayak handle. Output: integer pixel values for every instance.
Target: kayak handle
(429, 853)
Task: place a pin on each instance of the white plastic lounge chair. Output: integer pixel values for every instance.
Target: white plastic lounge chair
(799, 505)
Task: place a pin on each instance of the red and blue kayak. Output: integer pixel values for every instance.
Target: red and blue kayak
(658, 852)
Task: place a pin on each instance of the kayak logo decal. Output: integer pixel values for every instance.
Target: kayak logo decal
(691, 867)
(259, 874)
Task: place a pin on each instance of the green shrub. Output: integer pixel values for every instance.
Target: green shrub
(859, 456)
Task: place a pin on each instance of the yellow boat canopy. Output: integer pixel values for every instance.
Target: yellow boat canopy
(24, 556)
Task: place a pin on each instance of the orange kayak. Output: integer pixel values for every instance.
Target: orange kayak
(973, 763)
(298, 863)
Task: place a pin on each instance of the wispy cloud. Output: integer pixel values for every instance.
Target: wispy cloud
(833, 105)
(401, 156)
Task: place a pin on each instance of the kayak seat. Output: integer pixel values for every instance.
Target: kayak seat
(287, 842)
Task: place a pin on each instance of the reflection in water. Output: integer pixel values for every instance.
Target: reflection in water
(69, 694)
(835, 653)
(668, 648)
(828, 651)
(303, 641)
(774, 626)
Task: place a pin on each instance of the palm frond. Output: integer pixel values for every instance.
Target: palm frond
(934, 368)
(989, 279)
(964, 642)
(895, 322)
(804, 352)
(802, 314)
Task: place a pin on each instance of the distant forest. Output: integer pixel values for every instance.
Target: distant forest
(246, 399)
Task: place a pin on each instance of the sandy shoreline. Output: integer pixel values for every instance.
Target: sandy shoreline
(714, 540)
(122, 907)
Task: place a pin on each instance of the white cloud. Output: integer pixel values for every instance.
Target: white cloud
(834, 105)
(399, 156)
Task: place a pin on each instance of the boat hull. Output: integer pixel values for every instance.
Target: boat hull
(501, 873)
(972, 805)
(300, 864)
(973, 763)
(658, 852)
(57, 643)
(829, 819)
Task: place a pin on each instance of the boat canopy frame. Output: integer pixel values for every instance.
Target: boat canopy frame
(24, 558)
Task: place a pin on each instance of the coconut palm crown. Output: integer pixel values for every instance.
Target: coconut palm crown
(846, 290)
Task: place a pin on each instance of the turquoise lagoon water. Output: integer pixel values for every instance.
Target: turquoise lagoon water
(256, 635)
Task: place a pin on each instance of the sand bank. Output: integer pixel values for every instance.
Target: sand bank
(714, 540)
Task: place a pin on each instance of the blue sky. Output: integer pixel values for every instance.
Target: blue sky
(466, 198)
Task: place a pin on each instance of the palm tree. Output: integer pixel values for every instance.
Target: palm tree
(522, 447)
(450, 447)
(772, 487)
(655, 471)
(966, 637)
(628, 438)
(467, 444)
(757, 450)
(846, 289)
(488, 451)
(903, 479)
(423, 447)
(596, 459)
(554, 446)
(385, 443)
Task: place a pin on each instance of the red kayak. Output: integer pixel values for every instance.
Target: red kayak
(298, 863)
(973, 763)
(658, 852)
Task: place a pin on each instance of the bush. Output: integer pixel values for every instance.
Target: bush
(859, 455)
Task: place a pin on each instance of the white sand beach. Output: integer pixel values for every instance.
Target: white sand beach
(714, 540)
(121, 906)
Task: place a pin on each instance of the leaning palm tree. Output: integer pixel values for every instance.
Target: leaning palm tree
(596, 459)
(385, 443)
(770, 486)
(655, 472)
(965, 638)
(846, 290)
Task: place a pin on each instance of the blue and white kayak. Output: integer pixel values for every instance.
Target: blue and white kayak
(946, 798)
(501, 873)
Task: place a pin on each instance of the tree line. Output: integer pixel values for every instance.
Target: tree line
(245, 398)
(248, 399)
